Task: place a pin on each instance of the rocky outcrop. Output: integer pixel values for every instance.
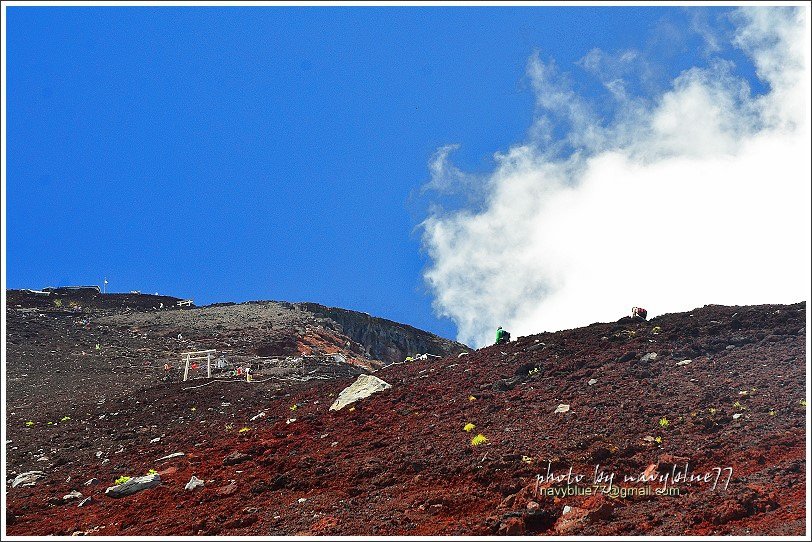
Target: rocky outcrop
(383, 339)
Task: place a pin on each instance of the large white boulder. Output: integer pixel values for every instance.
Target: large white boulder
(364, 386)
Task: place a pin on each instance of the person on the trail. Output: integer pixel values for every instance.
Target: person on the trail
(639, 312)
(167, 369)
(502, 336)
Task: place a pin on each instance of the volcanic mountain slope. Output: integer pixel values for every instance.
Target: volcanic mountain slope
(80, 347)
(717, 388)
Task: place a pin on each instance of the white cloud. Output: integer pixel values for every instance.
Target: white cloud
(698, 196)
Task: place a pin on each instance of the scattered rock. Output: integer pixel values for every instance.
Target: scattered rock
(508, 501)
(133, 485)
(230, 489)
(194, 482)
(168, 471)
(595, 508)
(737, 415)
(171, 456)
(628, 356)
(28, 479)
(86, 501)
(592, 382)
(651, 356)
(363, 387)
(234, 457)
(524, 369)
(684, 362)
(92, 482)
(73, 495)
(301, 500)
(562, 408)
(506, 384)
(280, 482)
(511, 527)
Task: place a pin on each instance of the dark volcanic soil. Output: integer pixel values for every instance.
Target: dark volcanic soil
(400, 462)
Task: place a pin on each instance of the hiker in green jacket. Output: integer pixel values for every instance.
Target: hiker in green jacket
(502, 336)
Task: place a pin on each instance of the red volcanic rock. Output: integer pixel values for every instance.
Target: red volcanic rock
(511, 527)
(234, 457)
(595, 508)
(229, 489)
(400, 463)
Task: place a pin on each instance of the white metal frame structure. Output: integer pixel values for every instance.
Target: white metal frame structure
(199, 355)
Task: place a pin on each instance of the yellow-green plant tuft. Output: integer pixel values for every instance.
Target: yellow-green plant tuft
(468, 427)
(664, 422)
(479, 439)
(122, 479)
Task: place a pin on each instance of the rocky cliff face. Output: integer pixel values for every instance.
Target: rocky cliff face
(383, 339)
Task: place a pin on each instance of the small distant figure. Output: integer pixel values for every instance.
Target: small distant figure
(248, 376)
(167, 370)
(502, 336)
(639, 312)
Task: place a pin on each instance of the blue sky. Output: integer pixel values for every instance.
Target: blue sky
(233, 154)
